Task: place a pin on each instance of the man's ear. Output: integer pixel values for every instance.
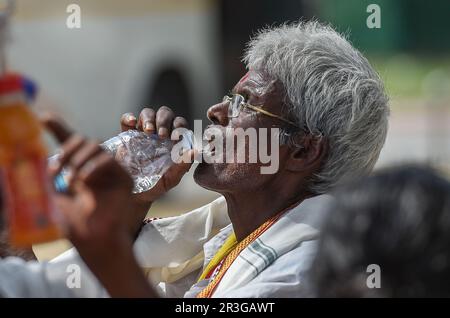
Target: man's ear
(310, 156)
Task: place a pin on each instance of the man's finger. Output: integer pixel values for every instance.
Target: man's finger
(128, 121)
(180, 122)
(164, 119)
(95, 168)
(147, 120)
(97, 171)
(83, 155)
(56, 126)
(69, 148)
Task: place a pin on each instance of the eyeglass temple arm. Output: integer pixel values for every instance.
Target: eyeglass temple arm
(265, 112)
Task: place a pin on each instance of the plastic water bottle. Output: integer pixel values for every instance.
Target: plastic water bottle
(145, 157)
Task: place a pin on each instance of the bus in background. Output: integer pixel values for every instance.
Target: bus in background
(125, 56)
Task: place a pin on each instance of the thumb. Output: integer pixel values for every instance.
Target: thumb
(184, 162)
(56, 126)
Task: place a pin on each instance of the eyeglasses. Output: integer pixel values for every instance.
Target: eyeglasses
(237, 103)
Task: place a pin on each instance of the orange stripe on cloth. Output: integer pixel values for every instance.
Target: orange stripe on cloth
(233, 254)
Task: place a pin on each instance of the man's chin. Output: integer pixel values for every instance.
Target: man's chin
(205, 175)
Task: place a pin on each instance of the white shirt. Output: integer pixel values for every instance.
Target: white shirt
(285, 278)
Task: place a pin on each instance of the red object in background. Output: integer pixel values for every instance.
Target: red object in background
(23, 161)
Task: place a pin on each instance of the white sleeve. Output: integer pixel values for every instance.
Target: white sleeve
(19, 278)
(170, 250)
(77, 277)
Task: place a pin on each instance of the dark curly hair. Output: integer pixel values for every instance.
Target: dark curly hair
(398, 219)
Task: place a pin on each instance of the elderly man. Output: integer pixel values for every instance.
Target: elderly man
(259, 238)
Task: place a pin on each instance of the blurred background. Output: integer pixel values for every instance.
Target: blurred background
(186, 54)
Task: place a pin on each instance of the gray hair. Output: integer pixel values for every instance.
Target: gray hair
(331, 90)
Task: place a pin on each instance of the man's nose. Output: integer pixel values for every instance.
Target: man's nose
(218, 114)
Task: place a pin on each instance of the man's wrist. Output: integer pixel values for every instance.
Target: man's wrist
(141, 205)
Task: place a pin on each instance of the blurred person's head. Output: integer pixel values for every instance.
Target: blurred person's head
(311, 76)
(399, 220)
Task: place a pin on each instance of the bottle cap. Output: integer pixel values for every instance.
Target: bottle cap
(10, 83)
(15, 83)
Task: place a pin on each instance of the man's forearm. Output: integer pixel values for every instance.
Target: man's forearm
(119, 272)
(126, 279)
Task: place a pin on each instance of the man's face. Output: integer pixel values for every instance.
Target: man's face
(257, 90)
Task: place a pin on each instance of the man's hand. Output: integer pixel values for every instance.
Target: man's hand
(96, 211)
(99, 197)
(162, 122)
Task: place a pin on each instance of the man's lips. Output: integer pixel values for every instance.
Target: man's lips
(210, 147)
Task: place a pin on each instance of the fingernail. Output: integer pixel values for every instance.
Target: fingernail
(176, 135)
(54, 164)
(149, 126)
(163, 132)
